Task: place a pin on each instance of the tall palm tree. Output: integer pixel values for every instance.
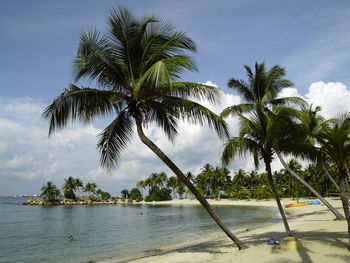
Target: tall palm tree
(49, 192)
(137, 66)
(335, 143)
(260, 98)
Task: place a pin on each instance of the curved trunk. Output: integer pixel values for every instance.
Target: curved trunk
(283, 215)
(347, 181)
(330, 207)
(344, 201)
(190, 186)
(330, 177)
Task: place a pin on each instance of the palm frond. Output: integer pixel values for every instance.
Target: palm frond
(114, 139)
(237, 109)
(196, 113)
(242, 88)
(239, 147)
(164, 117)
(80, 105)
(96, 59)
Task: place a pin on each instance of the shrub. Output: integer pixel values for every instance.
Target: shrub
(125, 193)
(135, 194)
(105, 195)
(159, 195)
(69, 194)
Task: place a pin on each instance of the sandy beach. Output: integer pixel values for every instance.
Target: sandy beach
(323, 238)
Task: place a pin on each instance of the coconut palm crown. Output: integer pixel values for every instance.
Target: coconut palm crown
(136, 66)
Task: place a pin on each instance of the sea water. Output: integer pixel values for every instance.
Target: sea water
(108, 232)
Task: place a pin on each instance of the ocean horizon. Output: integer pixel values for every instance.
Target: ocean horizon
(110, 233)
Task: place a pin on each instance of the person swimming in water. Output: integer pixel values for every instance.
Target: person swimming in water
(70, 238)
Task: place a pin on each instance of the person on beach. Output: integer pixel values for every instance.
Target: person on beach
(70, 238)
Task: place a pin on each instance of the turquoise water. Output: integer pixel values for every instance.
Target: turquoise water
(102, 233)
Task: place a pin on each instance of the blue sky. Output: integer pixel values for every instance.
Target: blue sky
(310, 39)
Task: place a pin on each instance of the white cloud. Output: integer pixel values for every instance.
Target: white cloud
(333, 97)
(26, 153)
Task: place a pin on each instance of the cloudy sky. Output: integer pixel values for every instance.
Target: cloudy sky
(310, 39)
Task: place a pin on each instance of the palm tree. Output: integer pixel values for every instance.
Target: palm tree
(78, 184)
(240, 178)
(125, 193)
(290, 181)
(141, 185)
(173, 183)
(49, 192)
(69, 187)
(335, 143)
(260, 100)
(301, 142)
(162, 179)
(258, 135)
(90, 188)
(137, 66)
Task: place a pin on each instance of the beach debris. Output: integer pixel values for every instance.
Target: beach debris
(290, 243)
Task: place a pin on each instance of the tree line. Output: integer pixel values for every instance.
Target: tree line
(218, 182)
(71, 188)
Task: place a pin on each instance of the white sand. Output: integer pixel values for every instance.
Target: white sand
(324, 239)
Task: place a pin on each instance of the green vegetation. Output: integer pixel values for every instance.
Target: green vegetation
(71, 186)
(49, 192)
(135, 194)
(125, 193)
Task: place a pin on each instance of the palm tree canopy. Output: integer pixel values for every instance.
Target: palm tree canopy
(335, 142)
(260, 133)
(261, 89)
(137, 66)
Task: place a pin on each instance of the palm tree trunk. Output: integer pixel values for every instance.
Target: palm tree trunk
(187, 182)
(330, 207)
(347, 181)
(344, 201)
(330, 177)
(280, 208)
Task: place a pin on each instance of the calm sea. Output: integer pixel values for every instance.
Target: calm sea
(108, 233)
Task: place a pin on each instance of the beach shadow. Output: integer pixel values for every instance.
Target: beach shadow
(213, 247)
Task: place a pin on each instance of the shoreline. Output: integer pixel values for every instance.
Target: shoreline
(324, 239)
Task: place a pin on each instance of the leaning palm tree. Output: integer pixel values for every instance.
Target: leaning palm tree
(137, 67)
(49, 192)
(260, 95)
(258, 134)
(335, 143)
(301, 142)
